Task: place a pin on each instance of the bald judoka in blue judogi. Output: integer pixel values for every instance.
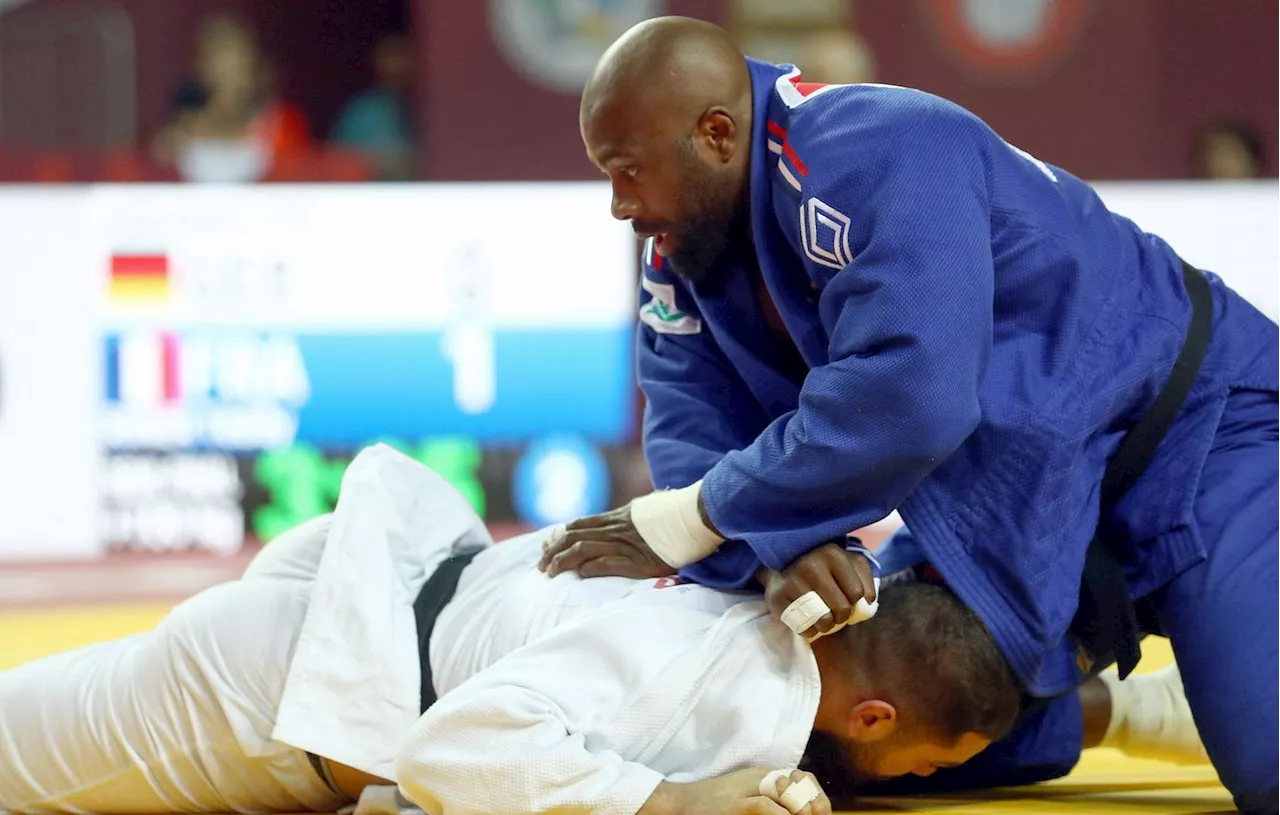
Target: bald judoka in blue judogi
(976, 332)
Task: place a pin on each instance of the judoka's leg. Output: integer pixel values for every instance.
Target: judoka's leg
(177, 719)
(1221, 614)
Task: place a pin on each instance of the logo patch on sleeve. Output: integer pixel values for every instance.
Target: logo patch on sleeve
(661, 313)
(824, 233)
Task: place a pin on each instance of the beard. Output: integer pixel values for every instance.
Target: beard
(860, 762)
(842, 767)
(713, 219)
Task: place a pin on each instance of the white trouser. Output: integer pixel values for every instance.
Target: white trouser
(178, 719)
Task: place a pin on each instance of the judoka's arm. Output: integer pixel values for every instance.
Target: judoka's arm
(536, 732)
(697, 408)
(910, 325)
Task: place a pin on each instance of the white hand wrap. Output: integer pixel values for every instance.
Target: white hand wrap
(769, 784)
(557, 532)
(804, 611)
(671, 525)
(797, 796)
(808, 608)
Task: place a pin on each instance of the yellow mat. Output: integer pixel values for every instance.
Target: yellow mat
(1104, 783)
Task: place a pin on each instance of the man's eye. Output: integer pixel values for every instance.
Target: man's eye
(631, 172)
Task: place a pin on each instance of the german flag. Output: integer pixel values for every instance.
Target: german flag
(139, 277)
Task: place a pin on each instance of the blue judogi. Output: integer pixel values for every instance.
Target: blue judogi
(977, 331)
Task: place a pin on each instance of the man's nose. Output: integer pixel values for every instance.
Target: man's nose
(624, 208)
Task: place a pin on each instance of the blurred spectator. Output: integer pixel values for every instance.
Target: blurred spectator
(228, 123)
(378, 123)
(1228, 150)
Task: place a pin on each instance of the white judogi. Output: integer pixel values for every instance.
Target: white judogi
(555, 693)
(582, 695)
(177, 719)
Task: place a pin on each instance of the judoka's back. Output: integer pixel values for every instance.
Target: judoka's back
(503, 602)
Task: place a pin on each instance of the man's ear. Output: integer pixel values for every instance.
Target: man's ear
(872, 720)
(718, 133)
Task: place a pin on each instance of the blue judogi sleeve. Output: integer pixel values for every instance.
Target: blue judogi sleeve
(697, 408)
(910, 325)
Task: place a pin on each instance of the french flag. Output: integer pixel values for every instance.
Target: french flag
(142, 369)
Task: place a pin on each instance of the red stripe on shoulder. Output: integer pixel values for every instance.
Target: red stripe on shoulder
(806, 88)
(790, 153)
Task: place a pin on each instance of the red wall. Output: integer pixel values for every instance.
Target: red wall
(482, 120)
(1122, 101)
(1216, 63)
(1135, 79)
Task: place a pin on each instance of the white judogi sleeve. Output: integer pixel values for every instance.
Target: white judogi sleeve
(353, 686)
(593, 716)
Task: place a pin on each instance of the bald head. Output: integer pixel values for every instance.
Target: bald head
(667, 116)
(673, 66)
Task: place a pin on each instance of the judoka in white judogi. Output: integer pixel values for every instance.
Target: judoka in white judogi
(581, 694)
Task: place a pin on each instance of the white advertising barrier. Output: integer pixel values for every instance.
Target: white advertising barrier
(353, 257)
(349, 259)
(1228, 228)
(49, 453)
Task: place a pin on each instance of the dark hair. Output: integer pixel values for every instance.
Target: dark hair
(931, 656)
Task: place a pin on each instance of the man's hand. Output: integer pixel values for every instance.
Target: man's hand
(838, 576)
(733, 794)
(602, 545)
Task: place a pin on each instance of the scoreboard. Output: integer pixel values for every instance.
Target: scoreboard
(243, 343)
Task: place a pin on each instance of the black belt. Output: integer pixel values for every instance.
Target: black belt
(434, 595)
(1106, 624)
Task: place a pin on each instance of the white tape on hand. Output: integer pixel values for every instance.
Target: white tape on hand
(671, 525)
(808, 608)
(800, 794)
(557, 532)
(862, 610)
(769, 784)
(804, 611)
(797, 795)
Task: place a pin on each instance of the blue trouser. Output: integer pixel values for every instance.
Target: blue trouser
(1220, 616)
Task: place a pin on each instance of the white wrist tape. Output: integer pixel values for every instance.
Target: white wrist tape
(808, 608)
(671, 525)
(797, 796)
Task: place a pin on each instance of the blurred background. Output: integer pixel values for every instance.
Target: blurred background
(242, 239)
